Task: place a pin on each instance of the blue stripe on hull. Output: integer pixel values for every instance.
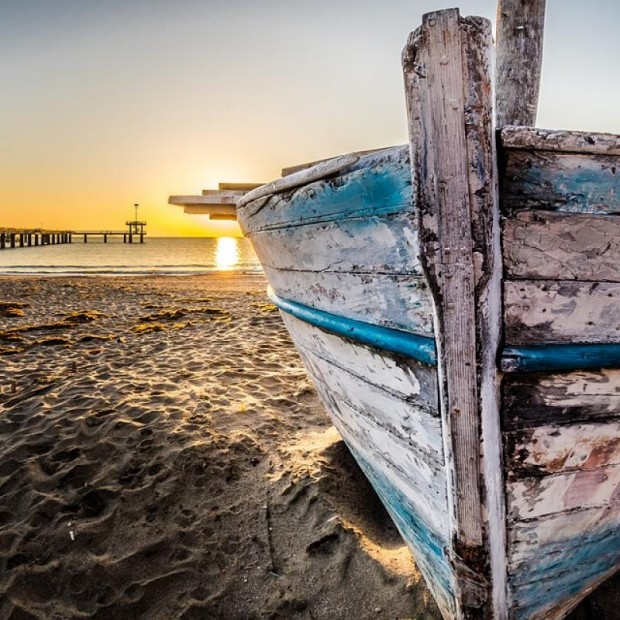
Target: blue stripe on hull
(550, 357)
(534, 358)
(419, 348)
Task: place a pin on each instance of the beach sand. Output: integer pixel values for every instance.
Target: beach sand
(163, 455)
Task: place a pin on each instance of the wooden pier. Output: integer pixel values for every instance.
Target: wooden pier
(29, 237)
(34, 237)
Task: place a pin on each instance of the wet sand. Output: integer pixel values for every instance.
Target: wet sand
(165, 456)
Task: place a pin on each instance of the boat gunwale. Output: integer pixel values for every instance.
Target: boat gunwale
(532, 358)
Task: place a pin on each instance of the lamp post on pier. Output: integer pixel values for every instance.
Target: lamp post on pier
(135, 227)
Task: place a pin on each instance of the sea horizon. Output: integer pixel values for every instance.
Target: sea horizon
(172, 256)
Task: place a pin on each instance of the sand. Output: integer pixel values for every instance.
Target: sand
(163, 455)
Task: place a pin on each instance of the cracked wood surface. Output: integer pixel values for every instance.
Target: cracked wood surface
(533, 139)
(448, 88)
(548, 311)
(396, 301)
(557, 246)
(534, 399)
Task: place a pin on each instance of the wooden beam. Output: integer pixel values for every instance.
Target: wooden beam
(520, 27)
(238, 186)
(531, 139)
(448, 90)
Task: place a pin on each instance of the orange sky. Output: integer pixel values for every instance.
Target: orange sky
(105, 104)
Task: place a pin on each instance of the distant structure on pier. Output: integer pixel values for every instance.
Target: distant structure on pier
(33, 237)
(218, 204)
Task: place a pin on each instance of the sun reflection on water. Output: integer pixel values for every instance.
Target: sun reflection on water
(226, 253)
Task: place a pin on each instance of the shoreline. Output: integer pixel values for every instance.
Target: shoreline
(165, 456)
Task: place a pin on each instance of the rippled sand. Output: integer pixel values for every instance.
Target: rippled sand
(163, 455)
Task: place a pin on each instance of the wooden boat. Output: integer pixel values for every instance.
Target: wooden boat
(460, 320)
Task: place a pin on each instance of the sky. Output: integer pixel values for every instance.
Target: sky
(108, 103)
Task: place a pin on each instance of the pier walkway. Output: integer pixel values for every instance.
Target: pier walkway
(33, 237)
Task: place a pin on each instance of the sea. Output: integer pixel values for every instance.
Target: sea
(156, 256)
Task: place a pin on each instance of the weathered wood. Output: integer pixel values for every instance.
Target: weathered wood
(245, 187)
(568, 182)
(396, 442)
(399, 376)
(395, 341)
(448, 85)
(532, 139)
(557, 246)
(534, 399)
(379, 184)
(560, 531)
(543, 600)
(293, 169)
(406, 416)
(322, 170)
(378, 244)
(534, 497)
(554, 448)
(427, 542)
(547, 311)
(397, 301)
(520, 28)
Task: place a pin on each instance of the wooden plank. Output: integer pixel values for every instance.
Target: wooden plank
(561, 312)
(322, 170)
(553, 600)
(228, 211)
(209, 199)
(520, 28)
(406, 417)
(422, 480)
(533, 399)
(224, 192)
(555, 448)
(560, 531)
(246, 187)
(376, 244)
(392, 373)
(536, 497)
(424, 486)
(532, 139)
(399, 302)
(292, 169)
(574, 556)
(378, 184)
(567, 182)
(558, 246)
(448, 85)
(402, 343)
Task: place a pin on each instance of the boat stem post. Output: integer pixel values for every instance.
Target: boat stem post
(447, 70)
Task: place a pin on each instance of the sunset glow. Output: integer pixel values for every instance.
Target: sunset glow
(109, 104)
(226, 253)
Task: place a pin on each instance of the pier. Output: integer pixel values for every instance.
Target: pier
(29, 237)
(33, 237)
